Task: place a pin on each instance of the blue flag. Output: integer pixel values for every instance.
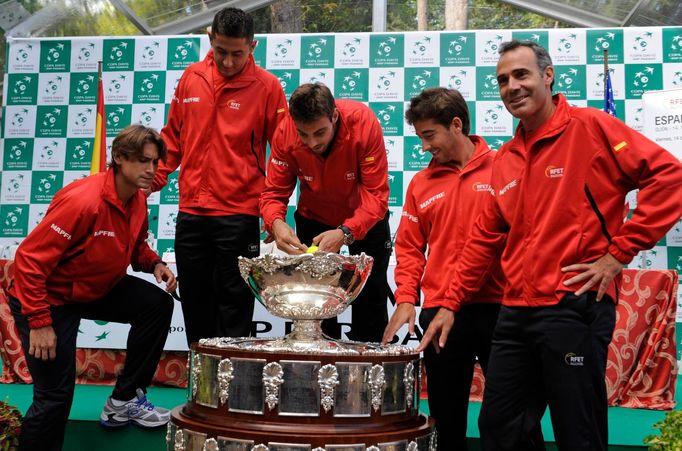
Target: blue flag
(609, 102)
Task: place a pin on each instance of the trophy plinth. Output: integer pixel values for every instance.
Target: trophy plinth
(304, 391)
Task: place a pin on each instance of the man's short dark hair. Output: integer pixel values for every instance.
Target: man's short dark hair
(441, 105)
(311, 101)
(541, 54)
(131, 141)
(233, 23)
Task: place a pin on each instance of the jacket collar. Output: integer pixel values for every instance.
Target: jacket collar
(110, 195)
(481, 149)
(243, 78)
(553, 126)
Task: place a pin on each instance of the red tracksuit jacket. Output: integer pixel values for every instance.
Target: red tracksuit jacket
(559, 197)
(441, 207)
(81, 248)
(348, 187)
(217, 131)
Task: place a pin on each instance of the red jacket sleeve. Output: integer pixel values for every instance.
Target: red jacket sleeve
(373, 180)
(280, 182)
(481, 253)
(410, 251)
(170, 134)
(658, 176)
(65, 223)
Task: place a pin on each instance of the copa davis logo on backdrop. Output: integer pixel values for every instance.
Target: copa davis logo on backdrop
(150, 54)
(394, 152)
(571, 81)
(458, 49)
(317, 51)
(18, 154)
(352, 84)
(289, 79)
(493, 119)
(22, 89)
(352, 50)
(49, 154)
(488, 44)
(55, 55)
(16, 187)
(53, 88)
(461, 78)
(283, 52)
(13, 221)
(390, 116)
(85, 55)
(568, 46)
(325, 76)
(419, 78)
(643, 45)
(386, 84)
(540, 37)
(422, 49)
(387, 50)
(414, 157)
(44, 186)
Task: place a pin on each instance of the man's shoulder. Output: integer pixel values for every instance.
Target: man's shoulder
(266, 78)
(354, 112)
(82, 194)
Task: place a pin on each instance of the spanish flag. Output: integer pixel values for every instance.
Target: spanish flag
(99, 150)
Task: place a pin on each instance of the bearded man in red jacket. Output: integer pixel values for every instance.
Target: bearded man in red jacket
(557, 221)
(335, 149)
(73, 265)
(224, 112)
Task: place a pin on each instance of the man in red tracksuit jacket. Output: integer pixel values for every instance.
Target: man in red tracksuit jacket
(73, 265)
(560, 187)
(336, 151)
(441, 206)
(224, 111)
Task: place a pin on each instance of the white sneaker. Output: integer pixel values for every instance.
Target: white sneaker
(138, 410)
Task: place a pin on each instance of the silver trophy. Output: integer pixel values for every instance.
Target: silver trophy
(294, 393)
(306, 289)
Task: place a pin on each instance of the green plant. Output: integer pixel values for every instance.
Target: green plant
(670, 438)
(10, 426)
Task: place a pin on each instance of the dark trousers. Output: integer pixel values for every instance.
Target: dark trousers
(369, 315)
(451, 371)
(552, 356)
(216, 302)
(147, 309)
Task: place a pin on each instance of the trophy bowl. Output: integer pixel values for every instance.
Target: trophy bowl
(306, 288)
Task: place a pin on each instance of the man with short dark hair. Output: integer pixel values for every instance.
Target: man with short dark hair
(224, 112)
(335, 148)
(557, 220)
(442, 204)
(73, 265)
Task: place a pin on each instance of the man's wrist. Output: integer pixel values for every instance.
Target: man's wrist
(348, 237)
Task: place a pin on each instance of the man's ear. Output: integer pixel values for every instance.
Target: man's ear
(549, 75)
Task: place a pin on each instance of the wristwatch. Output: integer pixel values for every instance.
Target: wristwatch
(348, 237)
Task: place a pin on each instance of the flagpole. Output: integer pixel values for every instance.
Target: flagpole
(606, 65)
(99, 152)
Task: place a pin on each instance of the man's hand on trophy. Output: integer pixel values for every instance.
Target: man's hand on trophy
(329, 241)
(286, 238)
(404, 314)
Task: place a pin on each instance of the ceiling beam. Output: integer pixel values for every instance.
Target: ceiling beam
(205, 18)
(565, 13)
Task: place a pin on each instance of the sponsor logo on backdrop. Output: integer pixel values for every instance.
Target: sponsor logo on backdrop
(18, 154)
(86, 57)
(390, 116)
(457, 49)
(16, 187)
(20, 121)
(600, 40)
(460, 80)
(53, 89)
(118, 87)
(423, 50)
(419, 78)
(82, 120)
(386, 84)
(118, 117)
(288, 79)
(22, 89)
(283, 53)
(487, 46)
(182, 52)
(119, 54)
(352, 51)
(24, 57)
(486, 83)
(44, 186)
(52, 121)
(415, 159)
(78, 154)
(493, 119)
(395, 185)
(386, 50)
(14, 221)
(55, 56)
(352, 84)
(49, 154)
(672, 45)
(317, 51)
(324, 76)
(571, 81)
(170, 194)
(149, 87)
(83, 88)
(150, 55)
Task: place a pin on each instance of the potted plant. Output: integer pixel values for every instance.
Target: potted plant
(670, 438)
(10, 426)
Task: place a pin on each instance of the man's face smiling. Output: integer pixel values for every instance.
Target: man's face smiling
(318, 133)
(438, 139)
(524, 89)
(230, 54)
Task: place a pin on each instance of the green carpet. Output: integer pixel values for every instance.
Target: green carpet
(628, 427)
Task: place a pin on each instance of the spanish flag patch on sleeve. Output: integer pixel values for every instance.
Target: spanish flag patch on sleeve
(369, 159)
(620, 146)
(281, 110)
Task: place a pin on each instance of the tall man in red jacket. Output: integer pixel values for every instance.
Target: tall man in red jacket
(560, 187)
(224, 112)
(441, 205)
(73, 265)
(335, 148)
